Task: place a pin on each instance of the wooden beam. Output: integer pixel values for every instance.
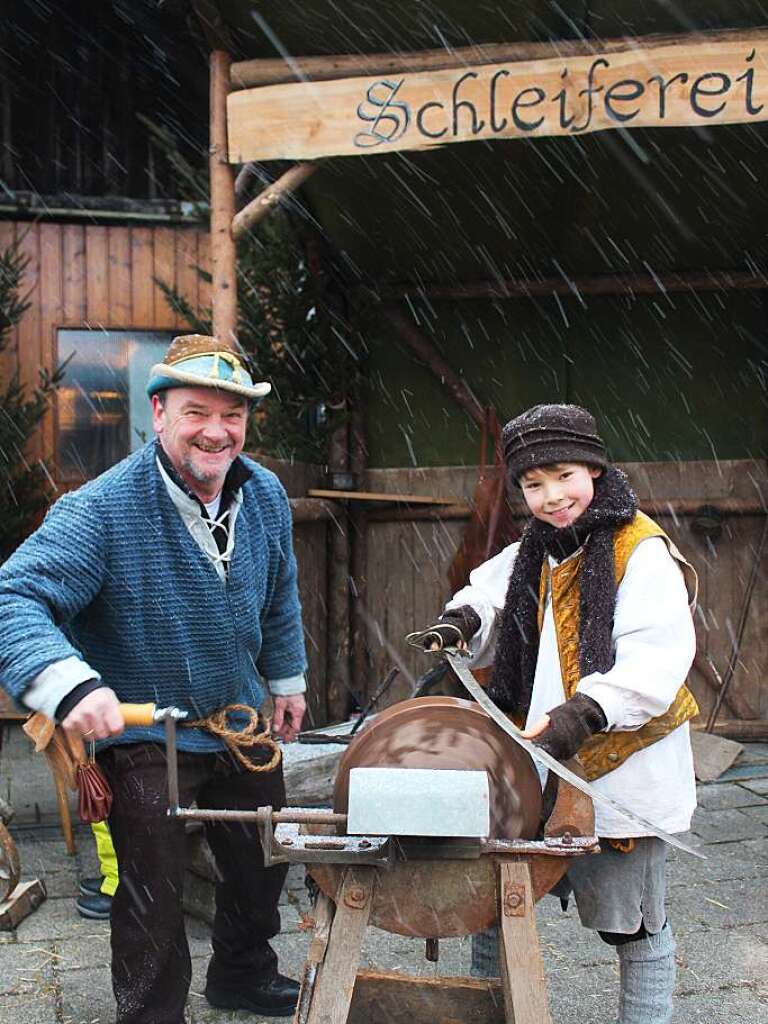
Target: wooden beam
(601, 284)
(223, 255)
(387, 997)
(677, 507)
(311, 510)
(274, 71)
(755, 730)
(270, 197)
(404, 499)
(455, 385)
(684, 81)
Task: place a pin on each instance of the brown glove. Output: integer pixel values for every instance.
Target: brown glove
(453, 625)
(570, 726)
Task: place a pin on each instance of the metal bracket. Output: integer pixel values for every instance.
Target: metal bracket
(514, 900)
(287, 844)
(554, 846)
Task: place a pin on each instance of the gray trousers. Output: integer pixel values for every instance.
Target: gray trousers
(617, 893)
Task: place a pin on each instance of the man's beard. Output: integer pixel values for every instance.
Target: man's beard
(204, 476)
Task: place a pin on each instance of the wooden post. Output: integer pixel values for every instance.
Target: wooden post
(223, 255)
(358, 522)
(336, 975)
(522, 969)
(338, 588)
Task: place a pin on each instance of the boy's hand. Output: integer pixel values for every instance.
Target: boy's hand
(566, 728)
(454, 628)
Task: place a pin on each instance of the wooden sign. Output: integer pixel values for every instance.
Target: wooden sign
(684, 81)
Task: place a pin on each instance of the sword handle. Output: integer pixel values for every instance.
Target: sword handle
(138, 714)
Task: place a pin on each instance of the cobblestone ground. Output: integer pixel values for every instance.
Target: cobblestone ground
(54, 967)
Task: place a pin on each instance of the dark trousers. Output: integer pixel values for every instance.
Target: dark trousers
(151, 967)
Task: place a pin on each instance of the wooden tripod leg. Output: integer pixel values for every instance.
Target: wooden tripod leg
(522, 968)
(324, 911)
(336, 975)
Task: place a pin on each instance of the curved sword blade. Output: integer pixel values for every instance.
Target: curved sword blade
(456, 660)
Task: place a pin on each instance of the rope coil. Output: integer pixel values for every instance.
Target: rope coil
(237, 740)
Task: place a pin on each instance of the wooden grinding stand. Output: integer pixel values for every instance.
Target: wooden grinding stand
(440, 897)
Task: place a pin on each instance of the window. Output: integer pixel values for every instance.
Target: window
(103, 409)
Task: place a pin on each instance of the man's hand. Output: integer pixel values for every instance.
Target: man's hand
(288, 715)
(96, 717)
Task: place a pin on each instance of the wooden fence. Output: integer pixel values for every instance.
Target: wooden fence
(407, 563)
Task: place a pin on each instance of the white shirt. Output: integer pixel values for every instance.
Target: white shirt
(654, 643)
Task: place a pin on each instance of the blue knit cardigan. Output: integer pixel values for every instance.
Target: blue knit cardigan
(114, 577)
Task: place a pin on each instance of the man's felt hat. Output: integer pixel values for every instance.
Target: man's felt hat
(547, 434)
(195, 360)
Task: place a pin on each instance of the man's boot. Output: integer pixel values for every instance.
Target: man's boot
(647, 970)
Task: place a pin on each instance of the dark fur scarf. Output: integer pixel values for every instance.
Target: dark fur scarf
(614, 505)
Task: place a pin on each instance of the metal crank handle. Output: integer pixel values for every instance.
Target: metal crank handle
(149, 714)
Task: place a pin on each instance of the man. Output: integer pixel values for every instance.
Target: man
(171, 578)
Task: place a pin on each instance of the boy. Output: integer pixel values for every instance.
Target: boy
(588, 624)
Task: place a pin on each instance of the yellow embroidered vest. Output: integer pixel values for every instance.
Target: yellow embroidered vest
(606, 751)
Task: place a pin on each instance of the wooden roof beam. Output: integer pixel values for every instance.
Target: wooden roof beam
(270, 197)
(599, 284)
(273, 71)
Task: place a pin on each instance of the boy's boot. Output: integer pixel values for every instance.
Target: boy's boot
(485, 954)
(647, 970)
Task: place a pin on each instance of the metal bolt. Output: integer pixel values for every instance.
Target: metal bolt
(364, 844)
(514, 900)
(567, 839)
(355, 896)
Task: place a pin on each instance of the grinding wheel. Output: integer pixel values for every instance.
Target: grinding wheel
(443, 898)
(447, 732)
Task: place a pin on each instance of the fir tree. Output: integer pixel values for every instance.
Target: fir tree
(24, 488)
(307, 362)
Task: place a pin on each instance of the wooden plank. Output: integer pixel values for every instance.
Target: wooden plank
(30, 356)
(309, 542)
(164, 270)
(336, 976)
(186, 272)
(74, 275)
(52, 315)
(712, 755)
(683, 82)
(522, 968)
(25, 898)
(97, 276)
(10, 355)
(142, 287)
(119, 276)
(411, 499)
(8, 710)
(204, 263)
(388, 997)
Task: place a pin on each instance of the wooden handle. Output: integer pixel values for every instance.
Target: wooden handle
(138, 714)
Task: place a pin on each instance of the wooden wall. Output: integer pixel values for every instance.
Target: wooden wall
(91, 276)
(408, 563)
